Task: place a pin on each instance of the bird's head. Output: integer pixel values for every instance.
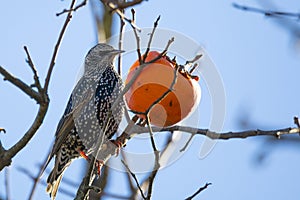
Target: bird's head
(100, 55)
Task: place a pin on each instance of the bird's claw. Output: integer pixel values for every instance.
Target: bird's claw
(119, 146)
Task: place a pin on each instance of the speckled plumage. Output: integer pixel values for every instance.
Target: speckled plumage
(88, 114)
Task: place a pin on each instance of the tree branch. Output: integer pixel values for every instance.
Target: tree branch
(221, 136)
(124, 4)
(198, 191)
(266, 12)
(2, 129)
(37, 83)
(156, 161)
(57, 45)
(7, 155)
(135, 179)
(41, 97)
(151, 38)
(21, 85)
(121, 14)
(7, 184)
(83, 3)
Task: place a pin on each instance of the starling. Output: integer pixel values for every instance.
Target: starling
(92, 114)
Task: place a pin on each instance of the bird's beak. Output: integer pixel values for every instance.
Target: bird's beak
(115, 51)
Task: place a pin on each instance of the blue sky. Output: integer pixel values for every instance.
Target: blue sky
(256, 58)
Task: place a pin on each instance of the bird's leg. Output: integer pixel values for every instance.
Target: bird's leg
(99, 164)
(82, 154)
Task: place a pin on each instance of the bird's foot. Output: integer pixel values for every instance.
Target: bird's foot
(119, 145)
(98, 163)
(142, 122)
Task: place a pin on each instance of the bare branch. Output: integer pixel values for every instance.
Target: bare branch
(135, 179)
(21, 85)
(297, 122)
(137, 37)
(267, 13)
(57, 45)
(198, 191)
(122, 24)
(151, 38)
(37, 83)
(84, 187)
(32, 177)
(187, 143)
(2, 129)
(221, 136)
(41, 97)
(122, 15)
(7, 186)
(197, 57)
(156, 162)
(124, 4)
(83, 3)
(36, 179)
(10, 153)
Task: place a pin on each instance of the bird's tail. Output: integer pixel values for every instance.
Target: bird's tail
(52, 186)
(62, 161)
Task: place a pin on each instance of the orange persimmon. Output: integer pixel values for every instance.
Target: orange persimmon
(153, 81)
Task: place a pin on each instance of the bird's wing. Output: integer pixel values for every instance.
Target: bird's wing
(65, 125)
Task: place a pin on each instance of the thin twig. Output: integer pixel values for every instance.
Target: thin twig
(297, 122)
(156, 162)
(187, 143)
(267, 13)
(57, 45)
(150, 39)
(137, 37)
(10, 153)
(2, 129)
(117, 10)
(122, 24)
(42, 98)
(7, 186)
(198, 191)
(36, 179)
(135, 179)
(133, 189)
(31, 176)
(197, 57)
(84, 187)
(37, 83)
(163, 53)
(21, 85)
(83, 3)
(124, 4)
